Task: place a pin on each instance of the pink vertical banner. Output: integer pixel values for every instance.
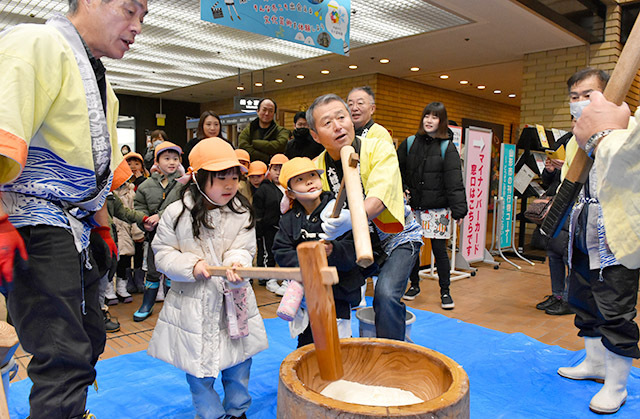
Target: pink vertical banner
(477, 178)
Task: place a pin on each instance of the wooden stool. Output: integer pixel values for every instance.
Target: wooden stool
(8, 345)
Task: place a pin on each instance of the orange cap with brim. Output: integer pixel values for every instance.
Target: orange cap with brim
(121, 174)
(167, 145)
(243, 155)
(134, 155)
(257, 168)
(214, 155)
(278, 159)
(295, 167)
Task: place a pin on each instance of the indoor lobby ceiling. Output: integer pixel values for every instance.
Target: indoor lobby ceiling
(180, 57)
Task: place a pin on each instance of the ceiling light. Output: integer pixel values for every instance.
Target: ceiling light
(415, 69)
(258, 84)
(384, 60)
(278, 80)
(512, 95)
(497, 92)
(325, 71)
(353, 66)
(482, 87)
(300, 76)
(240, 87)
(464, 81)
(444, 76)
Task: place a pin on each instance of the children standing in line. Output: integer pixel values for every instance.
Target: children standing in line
(256, 175)
(266, 203)
(302, 222)
(209, 324)
(152, 197)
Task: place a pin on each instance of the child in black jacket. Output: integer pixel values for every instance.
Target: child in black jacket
(266, 203)
(302, 223)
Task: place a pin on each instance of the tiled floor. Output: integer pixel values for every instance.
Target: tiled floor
(502, 299)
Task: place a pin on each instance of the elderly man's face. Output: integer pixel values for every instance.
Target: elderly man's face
(266, 112)
(113, 26)
(334, 128)
(361, 106)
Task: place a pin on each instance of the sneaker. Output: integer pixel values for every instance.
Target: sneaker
(548, 302)
(447, 302)
(560, 308)
(272, 285)
(411, 293)
(111, 324)
(282, 289)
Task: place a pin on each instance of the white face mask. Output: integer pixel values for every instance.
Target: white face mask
(156, 143)
(575, 108)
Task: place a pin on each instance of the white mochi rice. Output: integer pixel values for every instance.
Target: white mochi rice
(351, 392)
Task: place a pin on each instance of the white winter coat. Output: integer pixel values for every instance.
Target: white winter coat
(191, 332)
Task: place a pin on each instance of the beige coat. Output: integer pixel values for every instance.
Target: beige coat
(127, 233)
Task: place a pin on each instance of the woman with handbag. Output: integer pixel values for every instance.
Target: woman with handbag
(432, 175)
(557, 247)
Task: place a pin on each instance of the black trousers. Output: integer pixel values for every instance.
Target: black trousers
(46, 307)
(605, 307)
(439, 249)
(265, 256)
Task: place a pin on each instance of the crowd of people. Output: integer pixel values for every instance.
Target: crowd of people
(83, 224)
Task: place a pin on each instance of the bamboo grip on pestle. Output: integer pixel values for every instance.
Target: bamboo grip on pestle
(329, 274)
(322, 310)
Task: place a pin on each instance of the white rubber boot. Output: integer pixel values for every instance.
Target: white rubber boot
(110, 295)
(121, 291)
(592, 367)
(613, 393)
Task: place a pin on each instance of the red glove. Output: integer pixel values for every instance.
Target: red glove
(10, 243)
(105, 233)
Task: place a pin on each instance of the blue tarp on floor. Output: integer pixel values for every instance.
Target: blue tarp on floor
(511, 376)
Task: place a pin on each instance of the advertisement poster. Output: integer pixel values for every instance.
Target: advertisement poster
(322, 24)
(507, 168)
(477, 179)
(457, 136)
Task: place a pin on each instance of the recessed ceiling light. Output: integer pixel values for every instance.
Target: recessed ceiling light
(300, 76)
(325, 71)
(258, 84)
(278, 80)
(497, 92)
(512, 95)
(482, 87)
(464, 81)
(353, 66)
(240, 87)
(415, 68)
(444, 76)
(384, 60)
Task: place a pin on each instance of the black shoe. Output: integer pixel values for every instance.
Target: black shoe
(138, 280)
(411, 293)
(111, 324)
(548, 302)
(446, 302)
(262, 282)
(559, 309)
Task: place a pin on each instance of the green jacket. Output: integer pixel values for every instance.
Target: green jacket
(274, 141)
(116, 209)
(151, 198)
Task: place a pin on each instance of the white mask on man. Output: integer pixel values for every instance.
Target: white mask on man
(576, 108)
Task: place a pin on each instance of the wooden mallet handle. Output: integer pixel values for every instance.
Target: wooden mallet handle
(329, 274)
(355, 197)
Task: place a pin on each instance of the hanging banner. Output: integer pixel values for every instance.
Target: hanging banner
(318, 23)
(477, 178)
(507, 168)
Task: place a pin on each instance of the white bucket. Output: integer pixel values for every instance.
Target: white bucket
(367, 325)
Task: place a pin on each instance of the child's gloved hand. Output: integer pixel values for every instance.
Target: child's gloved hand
(334, 227)
(10, 243)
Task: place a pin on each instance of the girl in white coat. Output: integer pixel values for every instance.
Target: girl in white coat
(209, 324)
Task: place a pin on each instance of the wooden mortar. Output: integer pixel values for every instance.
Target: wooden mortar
(428, 374)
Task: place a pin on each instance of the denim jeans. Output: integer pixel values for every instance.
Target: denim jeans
(235, 381)
(392, 282)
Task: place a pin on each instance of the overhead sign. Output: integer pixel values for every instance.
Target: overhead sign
(507, 168)
(246, 104)
(318, 23)
(477, 178)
